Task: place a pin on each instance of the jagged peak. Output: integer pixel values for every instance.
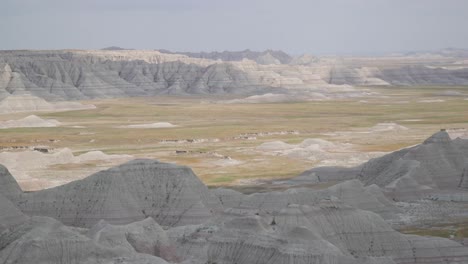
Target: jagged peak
(8, 185)
(440, 137)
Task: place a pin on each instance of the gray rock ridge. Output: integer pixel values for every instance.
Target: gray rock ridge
(8, 185)
(87, 74)
(438, 164)
(326, 174)
(25, 239)
(325, 233)
(115, 48)
(401, 75)
(243, 236)
(352, 193)
(169, 193)
(243, 239)
(10, 215)
(145, 236)
(44, 240)
(363, 233)
(191, 224)
(447, 52)
(258, 56)
(328, 232)
(464, 178)
(74, 75)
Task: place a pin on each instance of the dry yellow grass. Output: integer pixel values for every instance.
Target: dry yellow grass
(198, 118)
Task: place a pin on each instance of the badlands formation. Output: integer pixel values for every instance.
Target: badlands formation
(31, 175)
(29, 103)
(321, 151)
(81, 74)
(29, 121)
(435, 169)
(145, 211)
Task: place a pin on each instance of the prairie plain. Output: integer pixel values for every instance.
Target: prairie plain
(222, 141)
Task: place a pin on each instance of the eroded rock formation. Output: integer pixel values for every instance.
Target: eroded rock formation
(438, 164)
(80, 74)
(171, 194)
(145, 211)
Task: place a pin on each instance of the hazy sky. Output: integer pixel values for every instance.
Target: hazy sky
(296, 26)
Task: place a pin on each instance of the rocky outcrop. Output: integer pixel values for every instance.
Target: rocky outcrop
(8, 185)
(250, 239)
(72, 75)
(80, 74)
(411, 173)
(29, 103)
(464, 178)
(422, 75)
(325, 174)
(277, 57)
(171, 194)
(10, 215)
(29, 121)
(351, 192)
(403, 70)
(144, 236)
(340, 224)
(328, 232)
(44, 240)
(344, 227)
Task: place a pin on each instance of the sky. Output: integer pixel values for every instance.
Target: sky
(295, 26)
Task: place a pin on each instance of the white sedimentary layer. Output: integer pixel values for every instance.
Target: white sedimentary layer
(151, 125)
(381, 127)
(321, 151)
(37, 162)
(29, 121)
(29, 103)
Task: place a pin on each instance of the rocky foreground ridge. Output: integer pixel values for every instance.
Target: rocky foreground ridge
(87, 74)
(435, 169)
(145, 211)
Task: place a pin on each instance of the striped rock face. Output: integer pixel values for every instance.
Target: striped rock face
(431, 169)
(145, 211)
(86, 74)
(171, 194)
